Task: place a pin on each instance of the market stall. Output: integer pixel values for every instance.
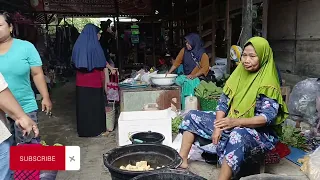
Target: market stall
(152, 97)
(149, 102)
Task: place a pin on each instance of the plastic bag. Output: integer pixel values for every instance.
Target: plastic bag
(48, 175)
(218, 71)
(302, 103)
(195, 154)
(176, 144)
(147, 77)
(35, 174)
(112, 88)
(317, 130)
(311, 164)
(28, 174)
(221, 61)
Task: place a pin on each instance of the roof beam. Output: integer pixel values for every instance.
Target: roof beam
(12, 4)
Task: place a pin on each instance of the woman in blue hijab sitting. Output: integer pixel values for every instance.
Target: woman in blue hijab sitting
(193, 58)
(90, 62)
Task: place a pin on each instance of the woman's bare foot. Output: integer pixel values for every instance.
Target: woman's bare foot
(184, 164)
(187, 140)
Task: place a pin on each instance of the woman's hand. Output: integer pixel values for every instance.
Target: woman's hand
(191, 76)
(46, 105)
(113, 71)
(27, 125)
(225, 123)
(166, 74)
(40, 82)
(171, 70)
(216, 135)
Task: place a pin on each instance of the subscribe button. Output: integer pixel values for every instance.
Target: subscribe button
(37, 157)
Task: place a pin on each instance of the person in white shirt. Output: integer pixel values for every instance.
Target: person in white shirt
(11, 107)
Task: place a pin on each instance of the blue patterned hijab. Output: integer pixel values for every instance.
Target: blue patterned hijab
(87, 52)
(192, 57)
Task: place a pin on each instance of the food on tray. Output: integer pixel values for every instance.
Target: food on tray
(140, 166)
(160, 167)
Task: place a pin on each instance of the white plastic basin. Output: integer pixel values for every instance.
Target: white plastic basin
(163, 80)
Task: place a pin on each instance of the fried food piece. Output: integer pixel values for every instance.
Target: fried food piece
(140, 166)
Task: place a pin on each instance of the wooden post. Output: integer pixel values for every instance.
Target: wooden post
(181, 26)
(246, 21)
(295, 35)
(171, 24)
(171, 31)
(213, 33)
(116, 24)
(228, 35)
(200, 17)
(47, 34)
(154, 44)
(265, 18)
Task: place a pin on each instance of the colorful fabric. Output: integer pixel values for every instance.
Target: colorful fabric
(187, 87)
(193, 57)
(112, 88)
(244, 87)
(15, 67)
(87, 52)
(240, 144)
(91, 79)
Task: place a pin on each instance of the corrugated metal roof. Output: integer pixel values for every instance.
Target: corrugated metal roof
(78, 7)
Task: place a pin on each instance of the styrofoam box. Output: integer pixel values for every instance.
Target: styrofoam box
(142, 121)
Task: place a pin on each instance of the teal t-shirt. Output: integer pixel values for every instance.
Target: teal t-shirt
(15, 66)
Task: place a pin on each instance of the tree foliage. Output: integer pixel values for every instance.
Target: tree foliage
(79, 23)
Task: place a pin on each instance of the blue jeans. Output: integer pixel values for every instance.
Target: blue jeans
(5, 173)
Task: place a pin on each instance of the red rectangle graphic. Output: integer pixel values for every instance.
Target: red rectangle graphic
(35, 157)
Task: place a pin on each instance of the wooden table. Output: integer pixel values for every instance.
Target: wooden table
(136, 99)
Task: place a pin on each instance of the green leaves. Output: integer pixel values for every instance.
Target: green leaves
(292, 136)
(175, 124)
(208, 90)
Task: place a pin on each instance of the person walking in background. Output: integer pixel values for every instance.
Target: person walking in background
(9, 105)
(106, 40)
(90, 61)
(18, 60)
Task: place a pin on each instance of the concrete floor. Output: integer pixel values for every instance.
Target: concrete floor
(61, 128)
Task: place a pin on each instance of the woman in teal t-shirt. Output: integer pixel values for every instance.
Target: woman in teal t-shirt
(18, 60)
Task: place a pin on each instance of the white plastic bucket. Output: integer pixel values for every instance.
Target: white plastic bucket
(110, 117)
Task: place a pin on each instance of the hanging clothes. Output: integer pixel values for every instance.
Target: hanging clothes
(66, 36)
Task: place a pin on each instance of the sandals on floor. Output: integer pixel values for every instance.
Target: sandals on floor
(104, 134)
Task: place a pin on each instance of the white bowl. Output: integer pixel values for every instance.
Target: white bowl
(163, 80)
